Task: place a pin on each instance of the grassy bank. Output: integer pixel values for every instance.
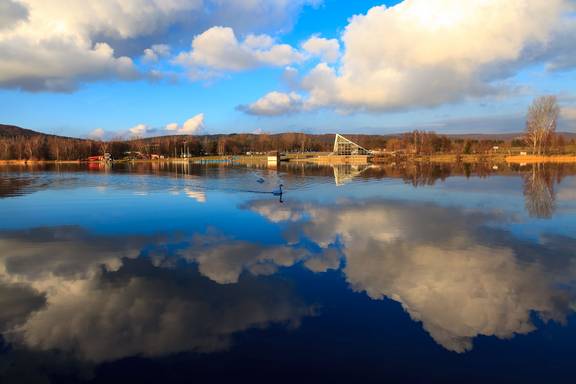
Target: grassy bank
(532, 159)
(474, 159)
(25, 162)
(444, 158)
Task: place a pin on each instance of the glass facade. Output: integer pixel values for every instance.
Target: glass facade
(345, 147)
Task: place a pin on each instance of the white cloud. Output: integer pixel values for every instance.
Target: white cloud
(327, 49)
(11, 13)
(139, 130)
(425, 53)
(155, 52)
(57, 45)
(274, 104)
(218, 49)
(172, 127)
(258, 41)
(97, 134)
(191, 126)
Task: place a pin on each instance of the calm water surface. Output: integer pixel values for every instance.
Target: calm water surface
(173, 273)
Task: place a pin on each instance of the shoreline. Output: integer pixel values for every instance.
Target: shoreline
(26, 162)
(436, 158)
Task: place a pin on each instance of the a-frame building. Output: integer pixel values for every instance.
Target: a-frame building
(345, 147)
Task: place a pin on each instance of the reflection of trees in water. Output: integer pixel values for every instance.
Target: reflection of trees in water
(421, 174)
(427, 174)
(14, 186)
(539, 190)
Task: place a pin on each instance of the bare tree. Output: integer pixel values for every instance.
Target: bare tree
(541, 123)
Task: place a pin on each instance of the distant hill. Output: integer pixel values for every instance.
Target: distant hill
(15, 131)
(12, 131)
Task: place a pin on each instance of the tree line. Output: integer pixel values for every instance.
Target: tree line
(43, 147)
(540, 138)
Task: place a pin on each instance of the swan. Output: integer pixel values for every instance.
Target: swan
(260, 180)
(279, 191)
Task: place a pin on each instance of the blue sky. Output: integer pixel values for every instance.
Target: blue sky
(401, 65)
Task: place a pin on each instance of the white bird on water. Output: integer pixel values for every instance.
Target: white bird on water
(279, 191)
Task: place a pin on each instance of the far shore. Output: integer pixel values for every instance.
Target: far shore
(436, 158)
(25, 162)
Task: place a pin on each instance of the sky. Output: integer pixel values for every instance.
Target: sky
(137, 68)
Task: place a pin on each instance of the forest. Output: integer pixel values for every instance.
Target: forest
(21, 144)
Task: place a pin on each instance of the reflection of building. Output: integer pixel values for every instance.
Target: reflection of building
(345, 147)
(345, 173)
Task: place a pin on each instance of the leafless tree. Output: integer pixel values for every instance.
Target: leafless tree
(541, 123)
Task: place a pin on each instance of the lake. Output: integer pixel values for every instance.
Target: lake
(159, 272)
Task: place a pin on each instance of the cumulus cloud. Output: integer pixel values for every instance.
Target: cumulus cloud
(155, 52)
(460, 279)
(274, 104)
(139, 130)
(425, 57)
(97, 134)
(191, 126)
(327, 49)
(12, 13)
(59, 64)
(172, 127)
(58, 45)
(425, 53)
(218, 49)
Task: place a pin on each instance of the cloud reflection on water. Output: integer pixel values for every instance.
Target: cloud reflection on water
(106, 297)
(93, 296)
(446, 266)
